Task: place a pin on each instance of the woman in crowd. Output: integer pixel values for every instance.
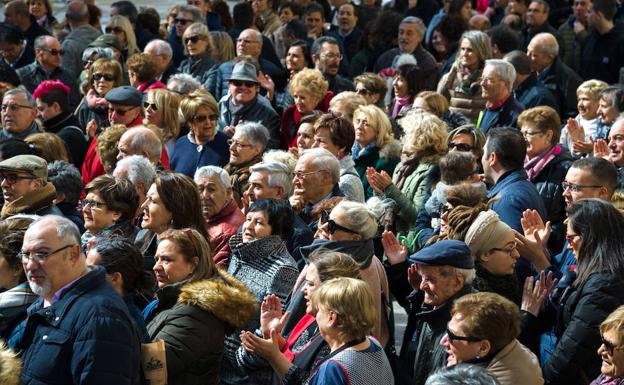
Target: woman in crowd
(461, 85)
(108, 209)
(305, 133)
(610, 351)
(106, 74)
(198, 47)
(546, 164)
(89, 56)
(161, 109)
(309, 90)
(203, 145)
(142, 72)
(196, 306)
(43, 13)
(483, 331)
(49, 146)
(372, 87)
(345, 103)
(374, 145)
(224, 46)
(107, 146)
(467, 138)
(434, 103)
(246, 149)
(408, 81)
(172, 202)
(16, 296)
(120, 27)
(261, 261)
(335, 134)
(297, 58)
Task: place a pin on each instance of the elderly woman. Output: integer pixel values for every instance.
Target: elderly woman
(611, 352)
(121, 28)
(434, 103)
(161, 110)
(198, 47)
(16, 296)
(483, 331)
(409, 80)
(374, 145)
(246, 149)
(546, 164)
(261, 261)
(108, 209)
(197, 305)
(309, 90)
(335, 134)
(172, 202)
(461, 85)
(105, 75)
(372, 87)
(345, 104)
(203, 145)
(142, 72)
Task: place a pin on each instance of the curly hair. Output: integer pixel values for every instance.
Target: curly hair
(543, 118)
(107, 145)
(426, 137)
(311, 81)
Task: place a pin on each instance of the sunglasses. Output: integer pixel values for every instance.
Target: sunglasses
(445, 210)
(203, 118)
(119, 112)
(240, 83)
(147, 105)
(113, 30)
(461, 146)
(332, 226)
(609, 347)
(13, 178)
(182, 21)
(453, 337)
(193, 39)
(100, 76)
(54, 51)
(363, 91)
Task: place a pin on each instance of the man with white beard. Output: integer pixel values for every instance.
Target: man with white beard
(80, 327)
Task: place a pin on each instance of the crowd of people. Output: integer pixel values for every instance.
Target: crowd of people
(239, 195)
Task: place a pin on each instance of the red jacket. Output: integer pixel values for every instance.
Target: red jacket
(220, 228)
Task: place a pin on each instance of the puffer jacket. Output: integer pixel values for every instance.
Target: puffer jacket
(381, 159)
(193, 319)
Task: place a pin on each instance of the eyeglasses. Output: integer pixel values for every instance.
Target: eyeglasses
(13, 178)
(363, 91)
(114, 30)
(463, 147)
(332, 226)
(241, 83)
(245, 41)
(453, 337)
(331, 56)
(507, 250)
(183, 21)
(119, 111)
(13, 107)
(570, 237)
(93, 204)
(193, 39)
(237, 144)
(147, 105)
(202, 118)
(609, 347)
(40, 257)
(301, 174)
(530, 134)
(576, 187)
(99, 76)
(54, 51)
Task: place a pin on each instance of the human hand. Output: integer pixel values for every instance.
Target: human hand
(378, 181)
(266, 348)
(396, 253)
(534, 293)
(91, 128)
(583, 147)
(245, 202)
(296, 199)
(267, 83)
(413, 277)
(271, 316)
(601, 149)
(534, 228)
(575, 130)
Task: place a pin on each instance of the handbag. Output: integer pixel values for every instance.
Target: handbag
(154, 362)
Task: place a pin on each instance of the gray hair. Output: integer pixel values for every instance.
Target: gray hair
(281, 156)
(66, 180)
(548, 43)
(481, 44)
(193, 10)
(161, 47)
(99, 52)
(468, 274)
(144, 139)
(211, 171)
(462, 374)
(323, 160)
(40, 41)
(138, 170)
(66, 230)
(30, 100)
(279, 175)
(257, 134)
(183, 84)
(359, 217)
(77, 12)
(504, 69)
(415, 20)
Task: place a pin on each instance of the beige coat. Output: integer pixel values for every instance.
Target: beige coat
(460, 102)
(516, 365)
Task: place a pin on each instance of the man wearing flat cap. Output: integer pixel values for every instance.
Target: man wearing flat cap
(25, 187)
(445, 271)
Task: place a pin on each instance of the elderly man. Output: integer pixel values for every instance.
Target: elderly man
(536, 20)
(79, 327)
(18, 114)
(25, 187)
(163, 55)
(326, 57)
(543, 50)
(82, 34)
(221, 214)
(139, 171)
(317, 175)
(444, 272)
(615, 147)
(528, 90)
(501, 108)
(140, 140)
(47, 66)
(411, 33)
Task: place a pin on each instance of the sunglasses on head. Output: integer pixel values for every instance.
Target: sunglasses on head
(332, 226)
(240, 83)
(100, 76)
(460, 146)
(203, 118)
(114, 30)
(193, 39)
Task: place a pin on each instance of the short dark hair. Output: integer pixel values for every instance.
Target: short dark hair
(119, 194)
(126, 8)
(456, 167)
(303, 44)
(340, 129)
(243, 14)
(601, 171)
(416, 78)
(318, 43)
(294, 7)
(149, 19)
(12, 147)
(297, 29)
(508, 145)
(520, 60)
(314, 7)
(280, 216)
(608, 8)
(505, 38)
(10, 33)
(66, 180)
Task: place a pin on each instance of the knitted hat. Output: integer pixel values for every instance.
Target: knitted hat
(485, 233)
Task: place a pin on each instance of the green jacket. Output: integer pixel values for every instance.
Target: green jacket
(385, 159)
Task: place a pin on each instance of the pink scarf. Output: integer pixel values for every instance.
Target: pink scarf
(399, 103)
(535, 165)
(93, 100)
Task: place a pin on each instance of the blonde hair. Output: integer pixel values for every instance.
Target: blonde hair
(123, 23)
(592, 88)
(378, 120)
(196, 100)
(49, 146)
(359, 216)
(201, 30)
(107, 145)
(167, 102)
(223, 46)
(311, 81)
(108, 65)
(349, 100)
(615, 321)
(352, 301)
(426, 135)
(437, 103)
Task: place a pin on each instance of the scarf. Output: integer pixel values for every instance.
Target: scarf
(399, 103)
(93, 100)
(469, 81)
(31, 201)
(406, 169)
(362, 252)
(505, 285)
(535, 165)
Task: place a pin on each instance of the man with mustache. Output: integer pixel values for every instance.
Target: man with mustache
(326, 56)
(18, 113)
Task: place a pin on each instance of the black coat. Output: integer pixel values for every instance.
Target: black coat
(532, 93)
(603, 55)
(67, 127)
(562, 81)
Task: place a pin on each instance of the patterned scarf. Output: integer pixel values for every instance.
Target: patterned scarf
(469, 81)
(535, 165)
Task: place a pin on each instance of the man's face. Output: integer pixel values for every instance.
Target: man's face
(248, 43)
(312, 180)
(485, 162)
(437, 285)
(409, 37)
(314, 22)
(122, 114)
(17, 115)
(259, 187)
(10, 51)
(183, 20)
(536, 15)
(328, 60)
(203, 6)
(123, 146)
(616, 143)
(260, 6)
(493, 88)
(579, 185)
(10, 16)
(16, 184)
(50, 56)
(213, 196)
(539, 59)
(592, 17)
(295, 59)
(346, 17)
(580, 8)
(47, 111)
(242, 91)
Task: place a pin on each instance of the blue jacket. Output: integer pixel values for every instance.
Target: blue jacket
(504, 116)
(188, 157)
(86, 337)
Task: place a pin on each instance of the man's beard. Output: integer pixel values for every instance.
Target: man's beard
(42, 289)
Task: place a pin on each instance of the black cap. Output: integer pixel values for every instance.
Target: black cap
(445, 253)
(125, 95)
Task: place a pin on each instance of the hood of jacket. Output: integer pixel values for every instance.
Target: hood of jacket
(391, 150)
(224, 296)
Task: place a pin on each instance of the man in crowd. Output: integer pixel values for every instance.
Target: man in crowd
(79, 327)
(140, 172)
(314, 19)
(528, 90)
(16, 12)
(82, 34)
(326, 56)
(18, 114)
(14, 49)
(140, 140)
(501, 108)
(347, 31)
(161, 51)
(574, 32)
(536, 20)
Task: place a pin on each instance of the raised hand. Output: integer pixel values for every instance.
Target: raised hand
(271, 316)
(580, 146)
(535, 292)
(534, 228)
(396, 253)
(575, 130)
(378, 181)
(601, 149)
(91, 128)
(413, 277)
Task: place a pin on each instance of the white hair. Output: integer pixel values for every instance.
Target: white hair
(257, 134)
(359, 218)
(138, 170)
(279, 175)
(323, 160)
(213, 171)
(548, 43)
(504, 69)
(161, 47)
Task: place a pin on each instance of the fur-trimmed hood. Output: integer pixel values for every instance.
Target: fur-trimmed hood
(225, 297)
(10, 366)
(391, 150)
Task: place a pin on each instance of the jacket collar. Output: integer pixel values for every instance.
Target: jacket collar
(226, 211)
(361, 251)
(507, 179)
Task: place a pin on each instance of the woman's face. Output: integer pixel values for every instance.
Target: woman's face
(171, 266)
(400, 87)
(256, 226)
(195, 44)
(103, 81)
(574, 240)
(305, 101)
(467, 56)
(37, 8)
(587, 107)
(305, 137)
(323, 139)
(501, 260)
(364, 133)
(156, 217)
(537, 141)
(97, 219)
(10, 277)
(204, 125)
(153, 114)
(119, 33)
(420, 103)
(438, 42)
(459, 351)
(295, 59)
(444, 212)
(241, 149)
(371, 97)
(312, 283)
(607, 112)
(612, 362)
(466, 10)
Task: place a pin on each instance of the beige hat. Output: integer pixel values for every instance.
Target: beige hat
(485, 233)
(30, 164)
